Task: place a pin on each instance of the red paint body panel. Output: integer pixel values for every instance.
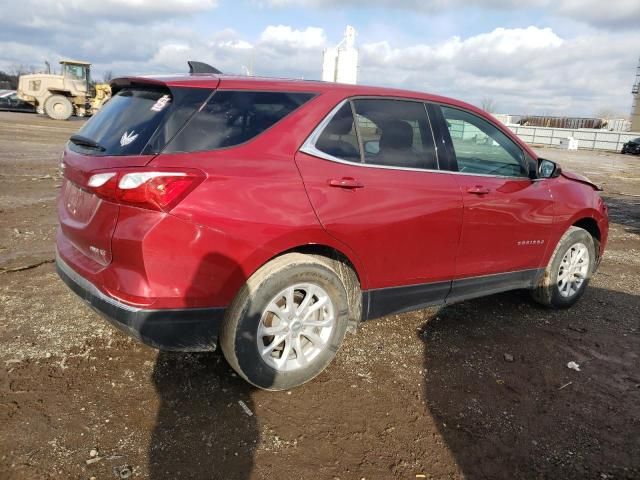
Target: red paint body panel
(405, 225)
(506, 229)
(575, 201)
(86, 221)
(264, 197)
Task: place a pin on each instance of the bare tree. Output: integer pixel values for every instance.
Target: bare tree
(18, 70)
(488, 104)
(107, 76)
(608, 114)
(9, 79)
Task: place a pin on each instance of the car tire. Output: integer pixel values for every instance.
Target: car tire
(273, 301)
(572, 264)
(58, 107)
(623, 151)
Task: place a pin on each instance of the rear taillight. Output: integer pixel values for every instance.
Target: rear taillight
(152, 190)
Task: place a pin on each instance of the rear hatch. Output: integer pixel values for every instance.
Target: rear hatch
(128, 132)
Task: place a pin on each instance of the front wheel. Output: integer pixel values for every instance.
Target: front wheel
(287, 322)
(569, 270)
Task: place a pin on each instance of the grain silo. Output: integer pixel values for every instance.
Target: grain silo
(635, 111)
(340, 64)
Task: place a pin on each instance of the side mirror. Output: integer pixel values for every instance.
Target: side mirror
(548, 169)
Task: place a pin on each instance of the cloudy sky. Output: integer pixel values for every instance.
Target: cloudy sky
(573, 57)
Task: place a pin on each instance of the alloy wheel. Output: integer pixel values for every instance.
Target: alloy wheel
(296, 326)
(573, 270)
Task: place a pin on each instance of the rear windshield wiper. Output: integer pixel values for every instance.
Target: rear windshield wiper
(86, 142)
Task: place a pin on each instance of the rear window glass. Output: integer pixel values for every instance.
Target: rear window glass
(127, 121)
(233, 117)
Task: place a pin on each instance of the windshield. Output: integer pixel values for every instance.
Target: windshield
(77, 72)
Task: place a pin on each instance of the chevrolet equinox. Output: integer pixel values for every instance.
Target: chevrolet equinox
(270, 216)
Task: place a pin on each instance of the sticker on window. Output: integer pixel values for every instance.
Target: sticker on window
(161, 103)
(128, 138)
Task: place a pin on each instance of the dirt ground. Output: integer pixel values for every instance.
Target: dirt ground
(428, 394)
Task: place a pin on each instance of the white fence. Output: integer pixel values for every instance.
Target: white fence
(587, 139)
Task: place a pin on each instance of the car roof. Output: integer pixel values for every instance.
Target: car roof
(240, 82)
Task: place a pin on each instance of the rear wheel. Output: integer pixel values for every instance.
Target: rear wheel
(569, 270)
(58, 107)
(286, 323)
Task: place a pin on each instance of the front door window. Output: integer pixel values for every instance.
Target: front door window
(481, 148)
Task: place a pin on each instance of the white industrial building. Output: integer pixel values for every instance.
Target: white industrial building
(340, 63)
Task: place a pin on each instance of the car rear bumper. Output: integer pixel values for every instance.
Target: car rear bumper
(187, 330)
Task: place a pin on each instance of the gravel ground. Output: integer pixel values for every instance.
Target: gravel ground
(475, 390)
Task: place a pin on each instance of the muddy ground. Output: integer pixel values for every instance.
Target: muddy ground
(427, 393)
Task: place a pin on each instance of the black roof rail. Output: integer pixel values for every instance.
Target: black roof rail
(200, 67)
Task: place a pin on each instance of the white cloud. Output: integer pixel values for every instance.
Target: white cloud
(283, 35)
(103, 6)
(238, 44)
(16, 54)
(279, 51)
(525, 70)
(614, 14)
(47, 13)
(505, 41)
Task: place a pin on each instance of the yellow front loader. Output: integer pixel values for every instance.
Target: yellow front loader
(64, 95)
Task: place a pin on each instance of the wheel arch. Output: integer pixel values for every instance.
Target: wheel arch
(590, 225)
(350, 272)
(588, 219)
(592, 222)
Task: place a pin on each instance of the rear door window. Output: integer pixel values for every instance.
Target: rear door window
(395, 133)
(386, 132)
(231, 118)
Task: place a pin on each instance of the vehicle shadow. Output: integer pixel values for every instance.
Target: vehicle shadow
(507, 406)
(205, 426)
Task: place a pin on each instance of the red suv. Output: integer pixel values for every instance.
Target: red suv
(271, 216)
